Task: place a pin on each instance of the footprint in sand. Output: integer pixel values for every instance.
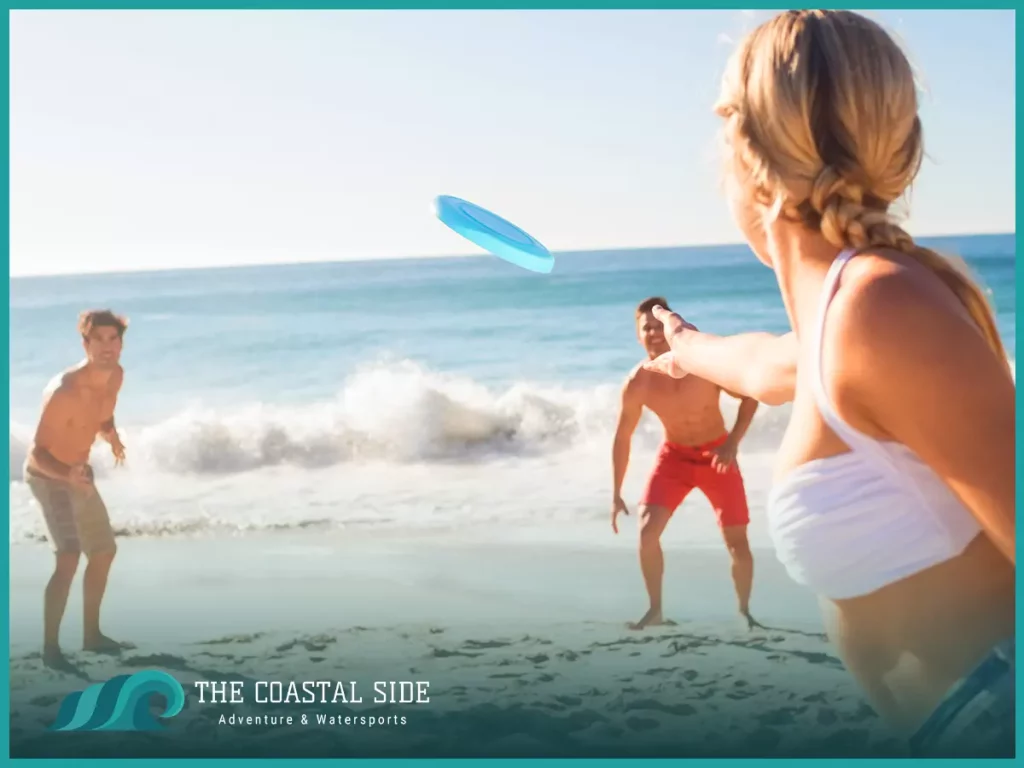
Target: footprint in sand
(817, 658)
(679, 710)
(740, 695)
(441, 653)
(477, 645)
(658, 671)
(233, 639)
(539, 641)
(155, 660)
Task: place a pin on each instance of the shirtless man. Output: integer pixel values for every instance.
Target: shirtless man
(697, 452)
(78, 406)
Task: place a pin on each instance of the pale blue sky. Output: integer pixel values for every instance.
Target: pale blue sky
(154, 139)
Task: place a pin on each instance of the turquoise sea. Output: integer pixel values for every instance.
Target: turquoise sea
(457, 394)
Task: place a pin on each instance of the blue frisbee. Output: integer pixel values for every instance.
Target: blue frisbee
(492, 233)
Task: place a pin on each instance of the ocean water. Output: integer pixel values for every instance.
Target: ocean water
(458, 396)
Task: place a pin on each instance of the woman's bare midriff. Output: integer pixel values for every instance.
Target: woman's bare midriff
(910, 641)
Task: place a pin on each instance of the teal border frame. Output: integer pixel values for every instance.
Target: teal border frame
(414, 5)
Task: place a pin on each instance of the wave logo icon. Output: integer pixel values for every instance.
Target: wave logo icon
(121, 704)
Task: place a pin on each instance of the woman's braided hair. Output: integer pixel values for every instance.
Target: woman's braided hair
(822, 116)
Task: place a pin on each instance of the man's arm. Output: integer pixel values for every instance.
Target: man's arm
(108, 430)
(744, 417)
(630, 411)
(57, 412)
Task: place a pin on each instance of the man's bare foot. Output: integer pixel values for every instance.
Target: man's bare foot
(752, 623)
(104, 644)
(54, 658)
(652, 618)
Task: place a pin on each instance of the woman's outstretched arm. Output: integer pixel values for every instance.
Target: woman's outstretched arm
(758, 365)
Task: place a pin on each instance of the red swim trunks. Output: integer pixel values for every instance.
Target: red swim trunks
(681, 468)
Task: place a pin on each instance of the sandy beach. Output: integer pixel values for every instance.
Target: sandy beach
(524, 647)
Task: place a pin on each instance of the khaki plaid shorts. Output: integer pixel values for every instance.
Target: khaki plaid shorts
(77, 520)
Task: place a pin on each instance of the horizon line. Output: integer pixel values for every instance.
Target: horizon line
(424, 257)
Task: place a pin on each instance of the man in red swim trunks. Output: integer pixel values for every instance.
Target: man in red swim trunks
(698, 452)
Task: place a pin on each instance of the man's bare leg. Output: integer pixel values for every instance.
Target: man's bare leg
(55, 601)
(742, 568)
(653, 520)
(94, 584)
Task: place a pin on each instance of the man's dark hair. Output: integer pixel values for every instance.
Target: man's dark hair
(101, 318)
(647, 305)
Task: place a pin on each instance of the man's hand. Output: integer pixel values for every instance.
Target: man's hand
(81, 476)
(723, 457)
(618, 505)
(117, 448)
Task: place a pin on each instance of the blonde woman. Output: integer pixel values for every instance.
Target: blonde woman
(894, 490)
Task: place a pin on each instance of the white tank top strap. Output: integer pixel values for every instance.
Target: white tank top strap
(852, 437)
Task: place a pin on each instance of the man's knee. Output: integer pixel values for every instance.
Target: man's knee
(65, 565)
(652, 523)
(103, 556)
(737, 543)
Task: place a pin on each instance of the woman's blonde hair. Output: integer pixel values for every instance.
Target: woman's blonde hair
(822, 116)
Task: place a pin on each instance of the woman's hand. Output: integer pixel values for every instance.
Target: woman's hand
(757, 365)
(673, 326)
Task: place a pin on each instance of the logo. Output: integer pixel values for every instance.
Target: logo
(121, 704)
